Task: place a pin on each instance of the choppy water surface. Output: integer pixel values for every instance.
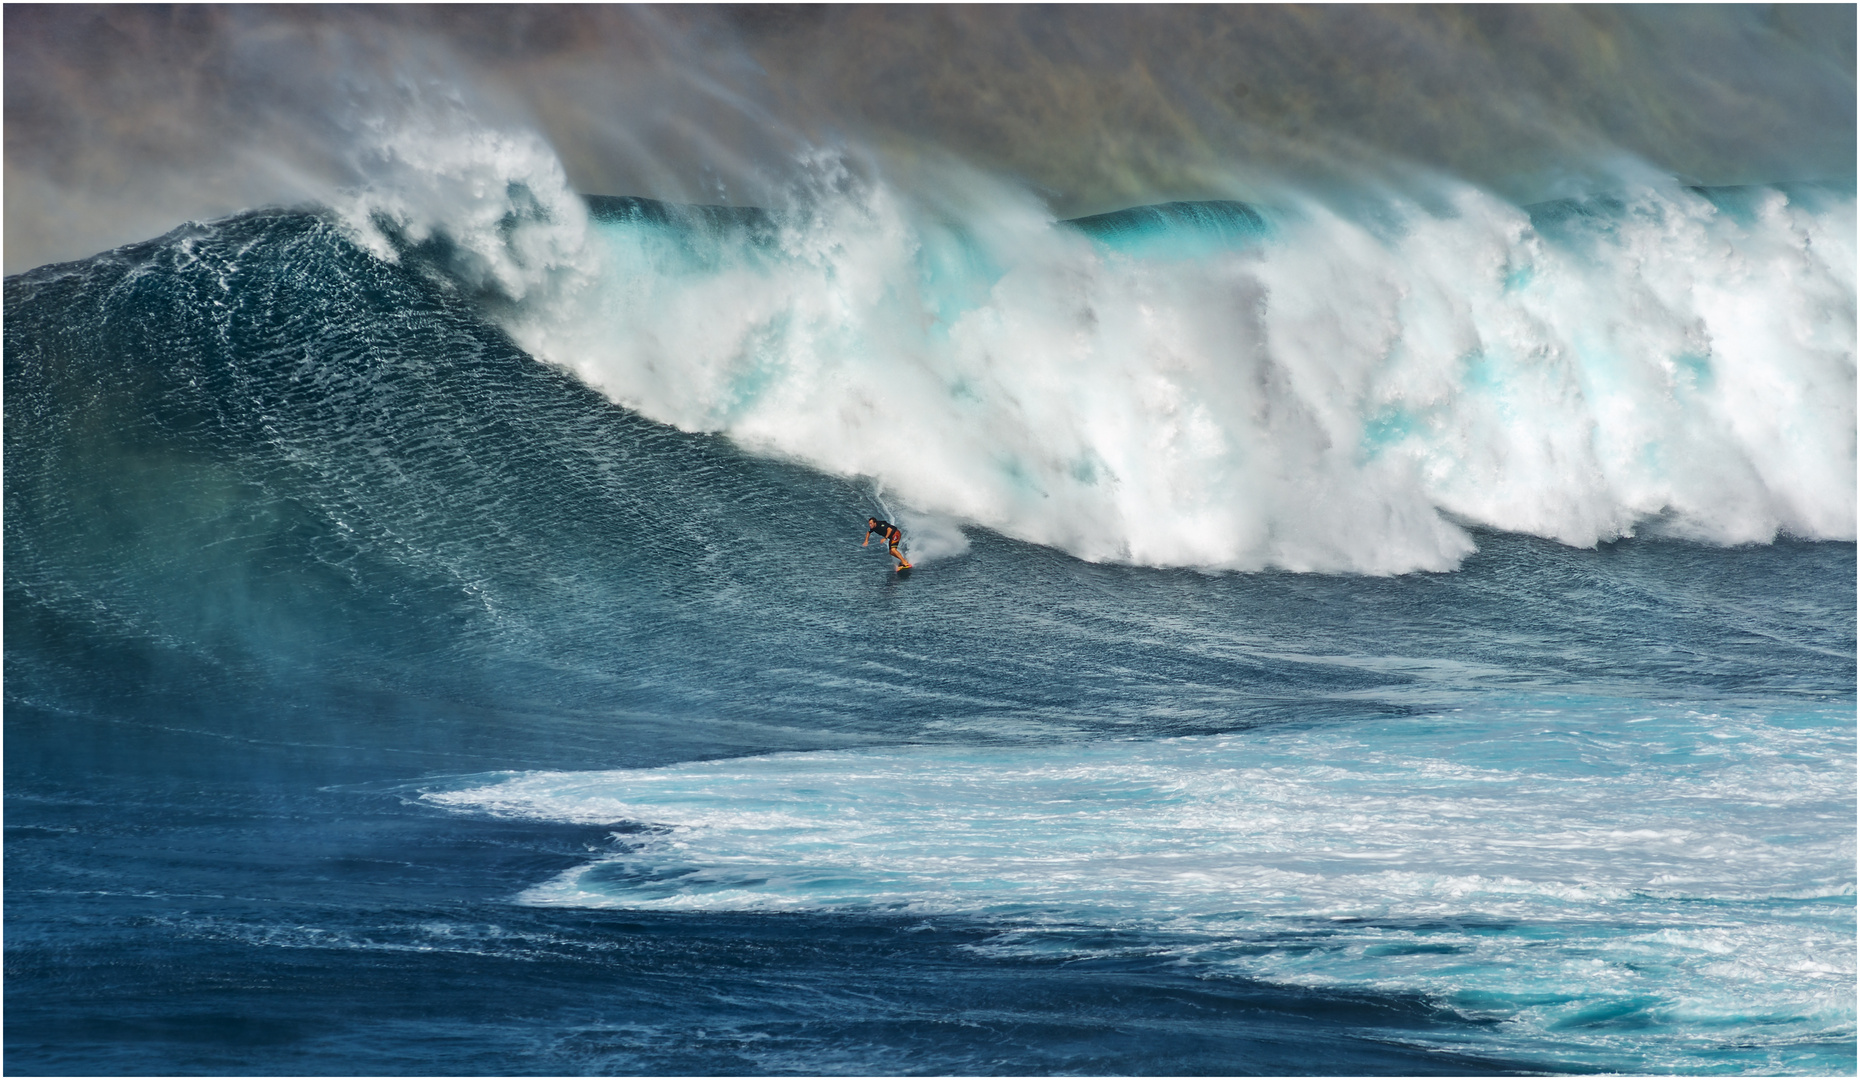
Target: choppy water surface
(1398, 643)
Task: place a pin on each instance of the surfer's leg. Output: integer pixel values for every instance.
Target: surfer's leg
(903, 563)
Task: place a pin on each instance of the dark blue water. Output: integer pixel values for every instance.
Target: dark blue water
(298, 541)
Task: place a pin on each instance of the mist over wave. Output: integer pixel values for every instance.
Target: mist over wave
(123, 120)
(1343, 387)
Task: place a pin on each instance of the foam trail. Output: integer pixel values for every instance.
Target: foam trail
(928, 538)
(1296, 387)
(1536, 865)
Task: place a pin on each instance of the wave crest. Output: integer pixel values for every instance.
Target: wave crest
(1219, 385)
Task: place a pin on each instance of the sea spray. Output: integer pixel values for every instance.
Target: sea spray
(491, 209)
(1318, 390)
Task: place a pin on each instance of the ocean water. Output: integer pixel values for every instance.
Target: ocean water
(1366, 636)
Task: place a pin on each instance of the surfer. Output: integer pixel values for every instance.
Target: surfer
(889, 533)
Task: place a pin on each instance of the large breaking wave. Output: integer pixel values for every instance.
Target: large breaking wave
(1322, 384)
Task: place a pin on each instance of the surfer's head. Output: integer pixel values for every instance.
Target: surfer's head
(871, 521)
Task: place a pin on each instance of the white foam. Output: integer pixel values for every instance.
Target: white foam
(1522, 870)
(1422, 814)
(1337, 398)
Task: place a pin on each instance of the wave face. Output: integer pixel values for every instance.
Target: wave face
(380, 699)
(1220, 385)
(353, 607)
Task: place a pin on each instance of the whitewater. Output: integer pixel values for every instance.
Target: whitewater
(1291, 388)
(1384, 630)
(1393, 857)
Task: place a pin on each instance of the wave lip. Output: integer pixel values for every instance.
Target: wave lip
(1172, 228)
